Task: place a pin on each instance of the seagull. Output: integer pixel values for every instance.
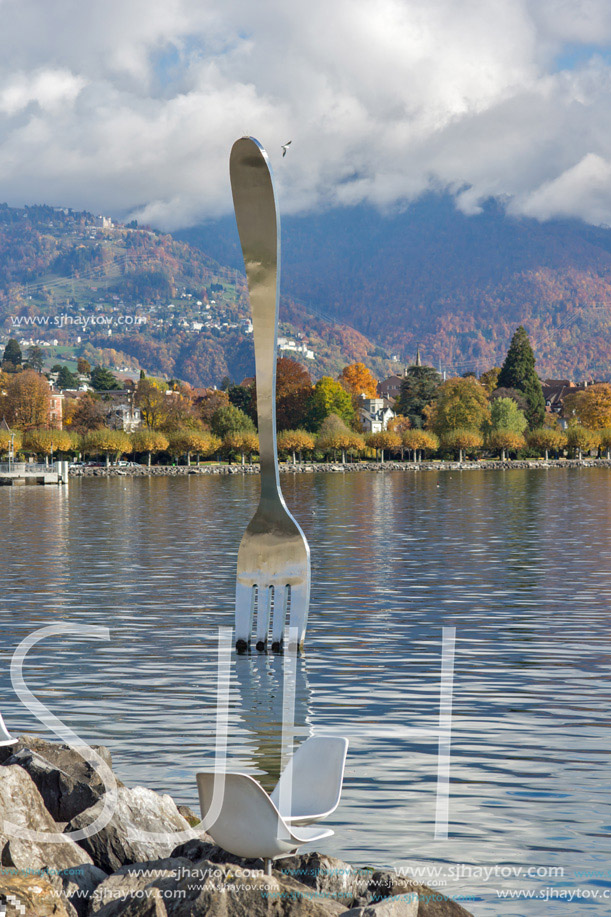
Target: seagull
(285, 147)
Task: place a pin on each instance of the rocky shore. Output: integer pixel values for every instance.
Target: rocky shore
(348, 468)
(128, 868)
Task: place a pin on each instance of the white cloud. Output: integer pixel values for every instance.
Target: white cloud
(132, 105)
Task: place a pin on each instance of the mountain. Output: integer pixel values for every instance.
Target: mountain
(457, 285)
(131, 298)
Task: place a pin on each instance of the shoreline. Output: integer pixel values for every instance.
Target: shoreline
(152, 858)
(338, 468)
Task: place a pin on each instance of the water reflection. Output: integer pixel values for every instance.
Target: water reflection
(519, 562)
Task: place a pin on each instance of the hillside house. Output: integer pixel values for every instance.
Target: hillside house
(374, 414)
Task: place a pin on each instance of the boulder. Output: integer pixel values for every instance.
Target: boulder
(327, 875)
(227, 890)
(67, 783)
(138, 889)
(431, 903)
(76, 886)
(401, 906)
(177, 887)
(33, 893)
(21, 804)
(123, 840)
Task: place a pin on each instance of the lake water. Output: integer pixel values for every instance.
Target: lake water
(519, 562)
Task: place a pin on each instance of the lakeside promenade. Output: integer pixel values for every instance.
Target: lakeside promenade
(338, 467)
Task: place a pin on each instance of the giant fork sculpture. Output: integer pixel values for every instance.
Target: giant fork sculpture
(273, 574)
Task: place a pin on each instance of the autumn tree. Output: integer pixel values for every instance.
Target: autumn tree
(6, 436)
(544, 439)
(335, 436)
(210, 402)
(490, 379)
(358, 380)
(186, 441)
(151, 399)
(461, 441)
(591, 407)
(605, 441)
(106, 442)
(242, 441)
(45, 442)
(83, 366)
(518, 371)
(461, 404)
(581, 440)
(27, 400)
(293, 392)
(293, 442)
(382, 441)
(419, 389)
(502, 439)
(84, 414)
(418, 441)
(149, 441)
(328, 397)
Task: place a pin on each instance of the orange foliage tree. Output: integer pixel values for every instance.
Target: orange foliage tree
(358, 380)
(591, 407)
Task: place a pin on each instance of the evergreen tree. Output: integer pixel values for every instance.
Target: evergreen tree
(518, 371)
(36, 358)
(103, 380)
(418, 389)
(12, 353)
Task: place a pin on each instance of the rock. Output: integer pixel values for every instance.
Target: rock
(326, 875)
(34, 893)
(431, 903)
(139, 888)
(402, 906)
(189, 815)
(138, 810)
(227, 890)
(54, 752)
(22, 805)
(77, 885)
(67, 783)
(201, 848)
(179, 888)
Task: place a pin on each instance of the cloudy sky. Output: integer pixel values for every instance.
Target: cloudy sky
(131, 106)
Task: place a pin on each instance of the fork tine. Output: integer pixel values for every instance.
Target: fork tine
(263, 612)
(300, 602)
(244, 610)
(279, 620)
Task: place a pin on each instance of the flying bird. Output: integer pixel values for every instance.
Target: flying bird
(285, 147)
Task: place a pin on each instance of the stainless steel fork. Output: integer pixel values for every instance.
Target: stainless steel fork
(273, 577)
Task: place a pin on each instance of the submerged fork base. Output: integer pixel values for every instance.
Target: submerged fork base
(286, 606)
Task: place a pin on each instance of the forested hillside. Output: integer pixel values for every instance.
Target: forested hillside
(131, 298)
(458, 285)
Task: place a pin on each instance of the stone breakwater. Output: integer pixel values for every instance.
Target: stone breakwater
(134, 867)
(338, 468)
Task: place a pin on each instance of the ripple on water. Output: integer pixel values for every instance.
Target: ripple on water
(396, 557)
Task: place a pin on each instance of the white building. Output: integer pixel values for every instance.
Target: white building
(374, 414)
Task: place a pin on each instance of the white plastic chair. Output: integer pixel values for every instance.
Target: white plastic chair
(316, 772)
(249, 824)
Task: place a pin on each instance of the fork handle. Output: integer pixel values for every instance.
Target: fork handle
(258, 223)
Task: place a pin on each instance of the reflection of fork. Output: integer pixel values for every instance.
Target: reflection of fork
(274, 558)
